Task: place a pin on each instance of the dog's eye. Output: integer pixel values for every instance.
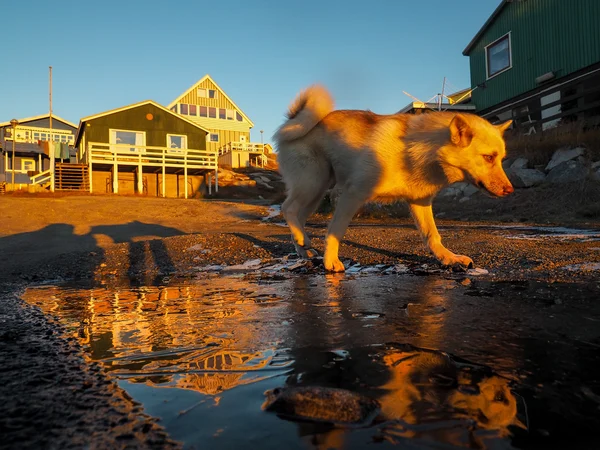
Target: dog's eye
(488, 158)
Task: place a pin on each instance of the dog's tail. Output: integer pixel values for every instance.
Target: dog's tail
(305, 112)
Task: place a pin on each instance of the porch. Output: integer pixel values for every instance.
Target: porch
(164, 161)
(243, 154)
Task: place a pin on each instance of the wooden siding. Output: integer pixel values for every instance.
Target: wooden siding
(220, 124)
(219, 102)
(546, 35)
(226, 136)
(134, 119)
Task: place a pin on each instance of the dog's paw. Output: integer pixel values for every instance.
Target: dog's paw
(333, 265)
(311, 253)
(456, 261)
(306, 252)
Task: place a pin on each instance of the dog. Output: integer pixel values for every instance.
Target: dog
(372, 157)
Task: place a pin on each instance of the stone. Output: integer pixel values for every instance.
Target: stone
(567, 172)
(564, 154)
(469, 190)
(524, 178)
(595, 165)
(520, 163)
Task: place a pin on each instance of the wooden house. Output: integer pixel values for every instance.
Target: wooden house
(145, 148)
(31, 162)
(206, 104)
(538, 62)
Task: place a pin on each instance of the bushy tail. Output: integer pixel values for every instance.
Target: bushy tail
(306, 111)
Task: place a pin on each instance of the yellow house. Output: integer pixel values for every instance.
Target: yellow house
(229, 128)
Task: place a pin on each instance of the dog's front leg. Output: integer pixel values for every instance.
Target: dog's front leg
(423, 215)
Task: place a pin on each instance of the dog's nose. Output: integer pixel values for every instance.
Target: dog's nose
(508, 189)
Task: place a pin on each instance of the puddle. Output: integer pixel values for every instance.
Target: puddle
(440, 364)
(549, 233)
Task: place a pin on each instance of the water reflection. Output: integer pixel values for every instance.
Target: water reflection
(392, 338)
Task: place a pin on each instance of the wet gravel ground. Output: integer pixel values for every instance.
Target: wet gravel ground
(53, 398)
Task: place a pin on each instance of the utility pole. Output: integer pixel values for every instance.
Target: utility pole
(51, 144)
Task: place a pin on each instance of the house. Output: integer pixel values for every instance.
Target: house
(31, 160)
(206, 104)
(145, 148)
(537, 62)
(459, 101)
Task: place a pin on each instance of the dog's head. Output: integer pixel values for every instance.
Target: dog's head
(477, 150)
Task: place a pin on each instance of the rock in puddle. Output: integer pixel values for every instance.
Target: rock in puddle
(321, 404)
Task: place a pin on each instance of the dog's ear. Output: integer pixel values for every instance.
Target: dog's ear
(504, 126)
(461, 132)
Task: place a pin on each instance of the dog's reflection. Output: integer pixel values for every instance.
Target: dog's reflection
(430, 394)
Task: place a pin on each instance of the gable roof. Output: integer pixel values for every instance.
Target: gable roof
(485, 26)
(41, 116)
(134, 105)
(196, 85)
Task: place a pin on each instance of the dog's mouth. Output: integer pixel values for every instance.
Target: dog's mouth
(483, 188)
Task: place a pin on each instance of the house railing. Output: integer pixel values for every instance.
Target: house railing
(33, 134)
(126, 154)
(146, 156)
(251, 147)
(42, 177)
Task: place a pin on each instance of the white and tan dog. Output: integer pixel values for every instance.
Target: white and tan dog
(367, 156)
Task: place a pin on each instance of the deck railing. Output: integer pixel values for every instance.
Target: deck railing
(35, 134)
(251, 147)
(126, 154)
(146, 156)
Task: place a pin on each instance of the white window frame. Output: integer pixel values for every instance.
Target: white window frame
(26, 160)
(510, 59)
(175, 149)
(114, 146)
(215, 91)
(204, 94)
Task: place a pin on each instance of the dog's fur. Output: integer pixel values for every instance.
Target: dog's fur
(368, 156)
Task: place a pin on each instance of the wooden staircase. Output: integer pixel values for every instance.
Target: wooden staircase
(71, 177)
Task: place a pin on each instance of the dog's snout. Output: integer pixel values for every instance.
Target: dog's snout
(508, 189)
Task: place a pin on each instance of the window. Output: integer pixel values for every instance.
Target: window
(121, 138)
(214, 137)
(203, 111)
(222, 114)
(212, 93)
(202, 92)
(498, 57)
(193, 110)
(230, 114)
(183, 109)
(238, 116)
(176, 142)
(27, 165)
(212, 113)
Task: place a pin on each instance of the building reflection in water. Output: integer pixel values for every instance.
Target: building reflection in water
(369, 335)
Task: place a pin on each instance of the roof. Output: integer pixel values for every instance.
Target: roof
(135, 105)
(21, 147)
(485, 26)
(42, 116)
(208, 77)
(434, 107)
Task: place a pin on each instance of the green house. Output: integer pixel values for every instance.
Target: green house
(147, 149)
(538, 62)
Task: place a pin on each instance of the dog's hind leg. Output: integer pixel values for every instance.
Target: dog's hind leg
(347, 205)
(296, 210)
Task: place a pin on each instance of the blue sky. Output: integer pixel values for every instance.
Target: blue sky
(261, 52)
